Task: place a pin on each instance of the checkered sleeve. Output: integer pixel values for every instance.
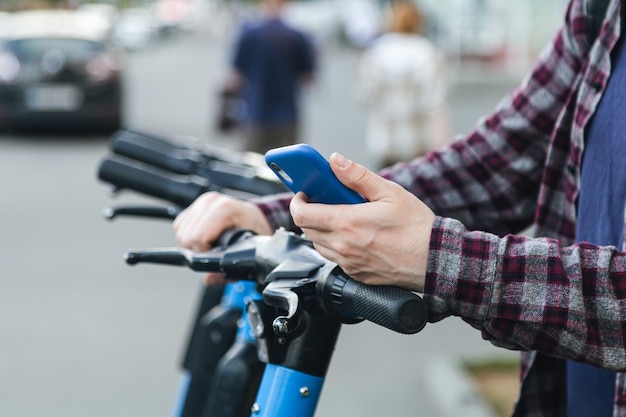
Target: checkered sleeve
(531, 294)
(276, 210)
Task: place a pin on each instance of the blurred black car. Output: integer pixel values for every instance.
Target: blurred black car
(58, 70)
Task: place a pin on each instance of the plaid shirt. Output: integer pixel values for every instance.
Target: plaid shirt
(520, 167)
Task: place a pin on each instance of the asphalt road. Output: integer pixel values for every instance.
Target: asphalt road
(83, 334)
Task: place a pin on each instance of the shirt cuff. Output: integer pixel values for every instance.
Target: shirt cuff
(460, 272)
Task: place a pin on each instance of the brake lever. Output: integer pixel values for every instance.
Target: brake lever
(237, 261)
(167, 213)
(210, 261)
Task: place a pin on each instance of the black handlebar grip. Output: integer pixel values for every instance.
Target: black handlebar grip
(349, 301)
(157, 152)
(142, 178)
(242, 178)
(392, 307)
(154, 152)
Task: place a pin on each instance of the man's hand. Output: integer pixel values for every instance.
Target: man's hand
(382, 242)
(200, 224)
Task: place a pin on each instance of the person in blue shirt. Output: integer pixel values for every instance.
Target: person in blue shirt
(271, 62)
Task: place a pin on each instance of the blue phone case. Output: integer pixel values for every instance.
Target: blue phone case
(302, 168)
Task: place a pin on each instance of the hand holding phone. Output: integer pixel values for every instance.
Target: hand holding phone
(302, 168)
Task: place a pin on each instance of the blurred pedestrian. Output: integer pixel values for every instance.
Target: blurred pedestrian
(271, 62)
(403, 81)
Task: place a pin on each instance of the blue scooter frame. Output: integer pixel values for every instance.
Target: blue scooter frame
(209, 360)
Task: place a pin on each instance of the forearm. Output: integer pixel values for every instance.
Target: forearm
(531, 294)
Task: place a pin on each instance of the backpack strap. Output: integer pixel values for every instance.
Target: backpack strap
(596, 10)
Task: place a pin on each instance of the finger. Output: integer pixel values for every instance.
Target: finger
(312, 215)
(358, 178)
(200, 246)
(319, 237)
(179, 220)
(213, 278)
(193, 235)
(181, 228)
(326, 252)
(186, 233)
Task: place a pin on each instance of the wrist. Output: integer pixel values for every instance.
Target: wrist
(254, 220)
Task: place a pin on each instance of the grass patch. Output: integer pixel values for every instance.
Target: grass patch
(497, 380)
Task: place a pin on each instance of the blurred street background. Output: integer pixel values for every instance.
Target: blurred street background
(83, 334)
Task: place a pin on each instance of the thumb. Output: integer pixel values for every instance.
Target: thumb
(357, 177)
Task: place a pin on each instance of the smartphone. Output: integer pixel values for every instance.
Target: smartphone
(302, 168)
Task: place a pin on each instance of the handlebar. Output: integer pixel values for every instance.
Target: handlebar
(178, 189)
(202, 154)
(220, 169)
(155, 151)
(283, 265)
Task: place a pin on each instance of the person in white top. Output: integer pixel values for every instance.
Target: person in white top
(402, 79)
